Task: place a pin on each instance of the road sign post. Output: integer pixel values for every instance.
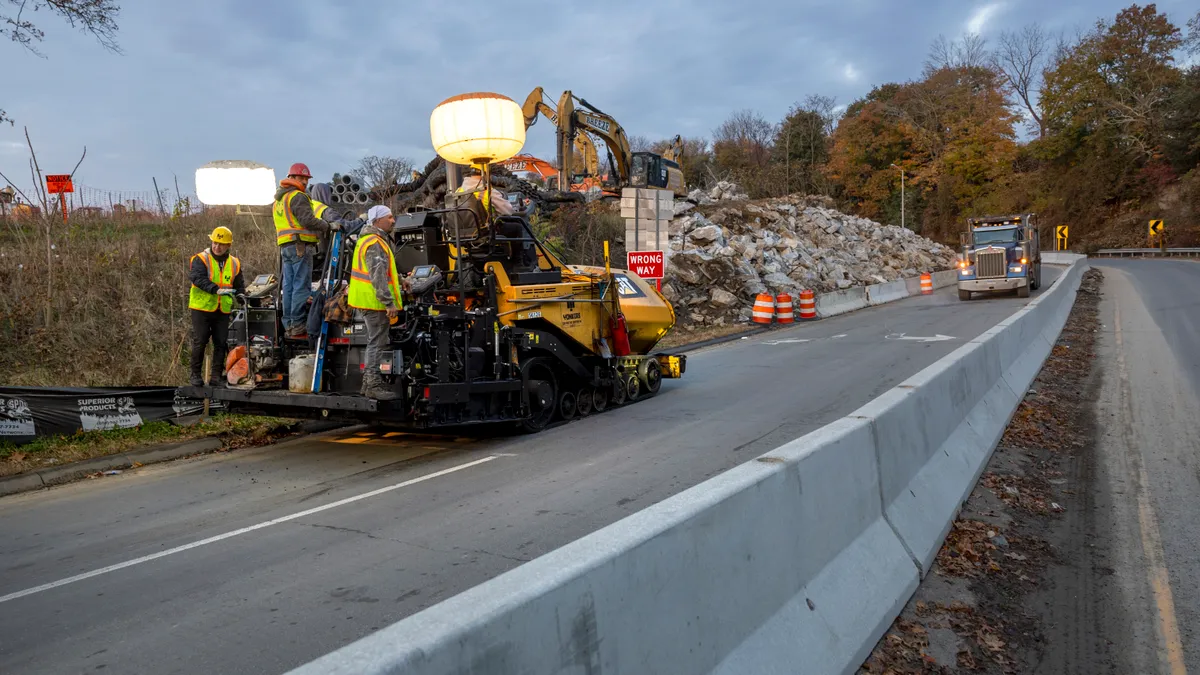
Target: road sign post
(60, 184)
(1060, 237)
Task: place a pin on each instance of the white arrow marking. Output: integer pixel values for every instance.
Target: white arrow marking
(903, 336)
(788, 341)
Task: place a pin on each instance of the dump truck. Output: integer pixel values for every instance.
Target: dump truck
(495, 329)
(1000, 253)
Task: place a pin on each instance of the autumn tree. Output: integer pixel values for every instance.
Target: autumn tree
(96, 17)
(742, 151)
(802, 145)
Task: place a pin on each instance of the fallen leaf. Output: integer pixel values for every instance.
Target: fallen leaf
(18, 456)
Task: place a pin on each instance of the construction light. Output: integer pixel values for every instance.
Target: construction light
(478, 128)
(235, 183)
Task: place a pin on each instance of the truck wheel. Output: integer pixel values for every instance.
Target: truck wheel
(633, 387)
(964, 295)
(653, 378)
(583, 402)
(1023, 291)
(618, 392)
(599, 399)
(567, 405)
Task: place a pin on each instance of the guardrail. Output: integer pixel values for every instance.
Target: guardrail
(1146, 252)
(804, 555)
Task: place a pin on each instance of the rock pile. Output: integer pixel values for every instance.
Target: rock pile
(725, 249)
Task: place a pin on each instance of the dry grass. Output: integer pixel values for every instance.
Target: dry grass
(108, 306)
(235, 431)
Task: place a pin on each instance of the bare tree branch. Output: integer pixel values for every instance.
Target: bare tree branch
(97, 17)
(384, 171)
(1021, 58)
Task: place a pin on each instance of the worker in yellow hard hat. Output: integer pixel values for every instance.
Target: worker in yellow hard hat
(216, 277)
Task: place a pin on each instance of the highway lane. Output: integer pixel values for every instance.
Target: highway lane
(277, 594)
(1149, 460)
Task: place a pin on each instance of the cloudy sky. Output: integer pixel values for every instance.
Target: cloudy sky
(328, 82)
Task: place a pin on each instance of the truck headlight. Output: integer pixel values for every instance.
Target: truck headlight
(1016, 269)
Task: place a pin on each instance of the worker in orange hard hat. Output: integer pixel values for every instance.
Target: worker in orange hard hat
(216, 276)
(297, 231)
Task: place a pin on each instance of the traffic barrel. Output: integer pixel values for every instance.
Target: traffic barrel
(764, 308)
(808, 305)
(783, 309)
(926, 283)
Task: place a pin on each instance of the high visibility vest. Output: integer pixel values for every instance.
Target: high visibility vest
(484, 197)
(222, 276)
(318, 207)
(362, 292)
(287, 229)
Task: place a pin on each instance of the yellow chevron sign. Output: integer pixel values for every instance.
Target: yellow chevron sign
(1156, 227)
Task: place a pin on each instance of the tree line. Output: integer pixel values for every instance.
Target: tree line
(1110, 120)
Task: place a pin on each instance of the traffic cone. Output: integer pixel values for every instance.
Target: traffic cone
(764, 308)
(926, 283)
(808, 305)
(783, 309)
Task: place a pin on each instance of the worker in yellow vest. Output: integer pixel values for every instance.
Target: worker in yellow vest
(375, 290)
(216, 276)
(297, 231)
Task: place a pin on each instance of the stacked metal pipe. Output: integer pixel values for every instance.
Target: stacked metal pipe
(348, 191)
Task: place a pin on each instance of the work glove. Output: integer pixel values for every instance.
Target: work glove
(334, 227)
(226, 291)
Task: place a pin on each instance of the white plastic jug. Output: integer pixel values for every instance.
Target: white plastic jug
(300, 373)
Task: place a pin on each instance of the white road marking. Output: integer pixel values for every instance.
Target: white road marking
(244, 530)
(792, 341)
(904, 336)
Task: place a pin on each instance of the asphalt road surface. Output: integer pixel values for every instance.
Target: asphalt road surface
(1148, 477)
(258, 561)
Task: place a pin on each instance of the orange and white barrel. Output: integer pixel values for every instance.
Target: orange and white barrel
(808, 305)
(926, 283)
(783, 309)
(764, 308)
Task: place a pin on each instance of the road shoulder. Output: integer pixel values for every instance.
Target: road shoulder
(1021, 558)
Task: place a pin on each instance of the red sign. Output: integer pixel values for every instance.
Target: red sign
(58, 183)
(646, 264)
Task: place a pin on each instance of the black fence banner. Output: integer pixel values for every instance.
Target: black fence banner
(29, 412)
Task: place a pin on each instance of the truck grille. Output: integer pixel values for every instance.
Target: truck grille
(989, 264)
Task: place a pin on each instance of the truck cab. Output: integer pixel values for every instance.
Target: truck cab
(1000, 253)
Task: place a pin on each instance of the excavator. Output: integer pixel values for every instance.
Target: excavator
(632, 169)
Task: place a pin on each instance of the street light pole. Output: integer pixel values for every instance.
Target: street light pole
(901, 195)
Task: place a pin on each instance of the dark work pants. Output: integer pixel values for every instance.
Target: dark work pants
(205, 326)
(378, 340)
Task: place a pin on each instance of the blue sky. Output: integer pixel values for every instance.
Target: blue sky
(326, 83)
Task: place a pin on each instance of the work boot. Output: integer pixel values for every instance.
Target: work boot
(376, 389)
(197, 381)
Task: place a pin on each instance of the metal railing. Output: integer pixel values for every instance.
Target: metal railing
(1147, 252)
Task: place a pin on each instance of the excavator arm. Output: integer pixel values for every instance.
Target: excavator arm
(588, 118)
(674, 152)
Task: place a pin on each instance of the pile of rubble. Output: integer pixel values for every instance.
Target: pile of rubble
(725, 249)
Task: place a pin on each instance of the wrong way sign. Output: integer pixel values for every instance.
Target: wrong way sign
(646, 264)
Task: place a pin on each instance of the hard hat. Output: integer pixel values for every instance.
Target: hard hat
(221, 235)
(299, 169)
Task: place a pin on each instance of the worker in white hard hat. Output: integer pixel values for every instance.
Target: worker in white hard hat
(216, 276)
(376, 290)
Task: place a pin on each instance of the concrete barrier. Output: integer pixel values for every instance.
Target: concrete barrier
(1061, 258)
(796, 561)
(840, 302)
(878, 294)
(769, 563)
(945, 278)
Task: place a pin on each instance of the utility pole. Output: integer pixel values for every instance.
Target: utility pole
(901, 195)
